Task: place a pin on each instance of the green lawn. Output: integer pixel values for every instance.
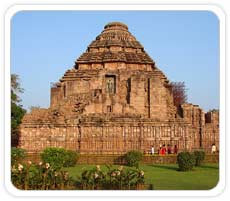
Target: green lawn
(167, 177)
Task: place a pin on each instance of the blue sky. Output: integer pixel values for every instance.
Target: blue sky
(184, 45)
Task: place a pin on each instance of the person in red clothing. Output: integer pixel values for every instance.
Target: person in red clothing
(175, 149)
(169, 149)
(163, 150)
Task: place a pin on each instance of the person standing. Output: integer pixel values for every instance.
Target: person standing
(152, 150)
(160, 150)
(163, 150)
(213, 148)
(169, 150)
(175, 149)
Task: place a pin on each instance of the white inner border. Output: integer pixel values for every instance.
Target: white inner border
(213, 8)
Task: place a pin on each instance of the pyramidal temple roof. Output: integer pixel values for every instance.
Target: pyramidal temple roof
(115, 43)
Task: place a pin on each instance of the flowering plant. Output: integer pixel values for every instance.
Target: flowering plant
(39, 177)
(111, 179)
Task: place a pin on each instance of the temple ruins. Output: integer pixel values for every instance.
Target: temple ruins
(116, 99)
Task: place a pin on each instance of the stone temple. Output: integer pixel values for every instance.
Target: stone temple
(116, 99)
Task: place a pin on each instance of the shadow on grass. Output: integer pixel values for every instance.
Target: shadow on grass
(209, 167)
(175, 168)
(166, 167)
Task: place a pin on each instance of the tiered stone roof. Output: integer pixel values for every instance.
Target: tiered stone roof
(115, 43)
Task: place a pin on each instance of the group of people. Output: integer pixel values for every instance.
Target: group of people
(163, 150)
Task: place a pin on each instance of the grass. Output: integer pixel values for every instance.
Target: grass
(167, 177)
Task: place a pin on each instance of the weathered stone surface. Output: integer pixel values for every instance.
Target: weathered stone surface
(114, 100)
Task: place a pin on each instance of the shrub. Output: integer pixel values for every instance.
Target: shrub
(40, 177)
(71, 158)
(59, 157)
(133, 158)
(92, 179)
(185, 161)
(17, 155)
(199, 157)
(54, 156)
(112, 179)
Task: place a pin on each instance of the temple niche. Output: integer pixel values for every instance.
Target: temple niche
(116, 99)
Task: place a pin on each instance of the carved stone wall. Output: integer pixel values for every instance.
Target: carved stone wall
(107, 137)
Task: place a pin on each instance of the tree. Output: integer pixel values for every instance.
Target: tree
(17, 112)
(15, 88)
(179, 93)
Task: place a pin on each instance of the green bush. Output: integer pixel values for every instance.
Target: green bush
(133, 158)
(113, 179)
(185, 161)
(71, 158)
(17, 155)
(30, 176)
(59, 157)
(199, 157)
